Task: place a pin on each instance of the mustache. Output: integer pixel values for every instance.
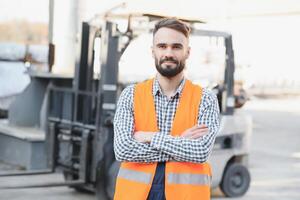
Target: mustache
(168, 59)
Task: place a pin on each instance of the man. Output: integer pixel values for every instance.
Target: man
(165, 127)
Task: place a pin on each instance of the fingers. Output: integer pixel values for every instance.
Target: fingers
(193, 129)
(197, 127)
(195, 132)
(143, 137)
(198, 134)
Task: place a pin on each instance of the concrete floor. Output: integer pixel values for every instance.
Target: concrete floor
(274, 158)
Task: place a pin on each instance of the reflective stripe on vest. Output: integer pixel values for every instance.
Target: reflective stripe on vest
(191, 179)
(137, 176)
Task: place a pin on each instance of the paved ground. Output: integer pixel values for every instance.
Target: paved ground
(274, 160)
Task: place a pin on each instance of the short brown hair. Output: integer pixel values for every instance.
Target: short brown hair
(173, 23)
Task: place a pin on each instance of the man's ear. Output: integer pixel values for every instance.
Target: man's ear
(188, 52)
(152, 51)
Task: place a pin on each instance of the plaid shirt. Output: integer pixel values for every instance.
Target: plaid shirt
(163, 146)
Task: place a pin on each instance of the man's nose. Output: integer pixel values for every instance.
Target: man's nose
(169, 52)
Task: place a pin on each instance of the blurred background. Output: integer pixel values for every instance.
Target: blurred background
(42, 38)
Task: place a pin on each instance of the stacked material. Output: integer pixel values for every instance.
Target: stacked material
(13, 77)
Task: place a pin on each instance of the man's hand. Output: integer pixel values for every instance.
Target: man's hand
(195, 132)
(143, 137)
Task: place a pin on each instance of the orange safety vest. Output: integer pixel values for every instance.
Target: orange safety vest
(183, 180)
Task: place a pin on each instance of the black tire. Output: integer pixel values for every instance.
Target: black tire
(112, 177)
(235, 181)
(105, 184)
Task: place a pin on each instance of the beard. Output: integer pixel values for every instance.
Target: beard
(169, 71)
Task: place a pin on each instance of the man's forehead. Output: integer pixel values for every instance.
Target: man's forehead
(169, 36)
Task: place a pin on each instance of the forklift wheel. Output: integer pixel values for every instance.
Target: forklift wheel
(235, 181)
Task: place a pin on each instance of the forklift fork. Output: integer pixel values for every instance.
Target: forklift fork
(52, 162)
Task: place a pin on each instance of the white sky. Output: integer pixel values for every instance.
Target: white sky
(31, 10)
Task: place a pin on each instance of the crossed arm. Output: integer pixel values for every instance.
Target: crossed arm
(194, 145)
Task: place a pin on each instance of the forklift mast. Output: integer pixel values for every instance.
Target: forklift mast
(87, 126)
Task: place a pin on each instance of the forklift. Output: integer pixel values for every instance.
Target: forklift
(79, 135)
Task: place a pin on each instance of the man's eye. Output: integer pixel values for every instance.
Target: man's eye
(177, 47)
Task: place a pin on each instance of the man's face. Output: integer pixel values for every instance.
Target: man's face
(170, 50)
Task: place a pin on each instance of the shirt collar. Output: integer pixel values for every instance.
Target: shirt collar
(156, 89)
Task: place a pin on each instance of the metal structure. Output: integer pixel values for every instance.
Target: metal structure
(79, 122)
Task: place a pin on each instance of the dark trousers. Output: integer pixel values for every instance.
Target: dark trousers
(157, 191)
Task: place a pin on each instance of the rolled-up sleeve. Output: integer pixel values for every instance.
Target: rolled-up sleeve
(193, 150)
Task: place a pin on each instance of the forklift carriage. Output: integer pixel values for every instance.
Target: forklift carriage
(79, 133)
